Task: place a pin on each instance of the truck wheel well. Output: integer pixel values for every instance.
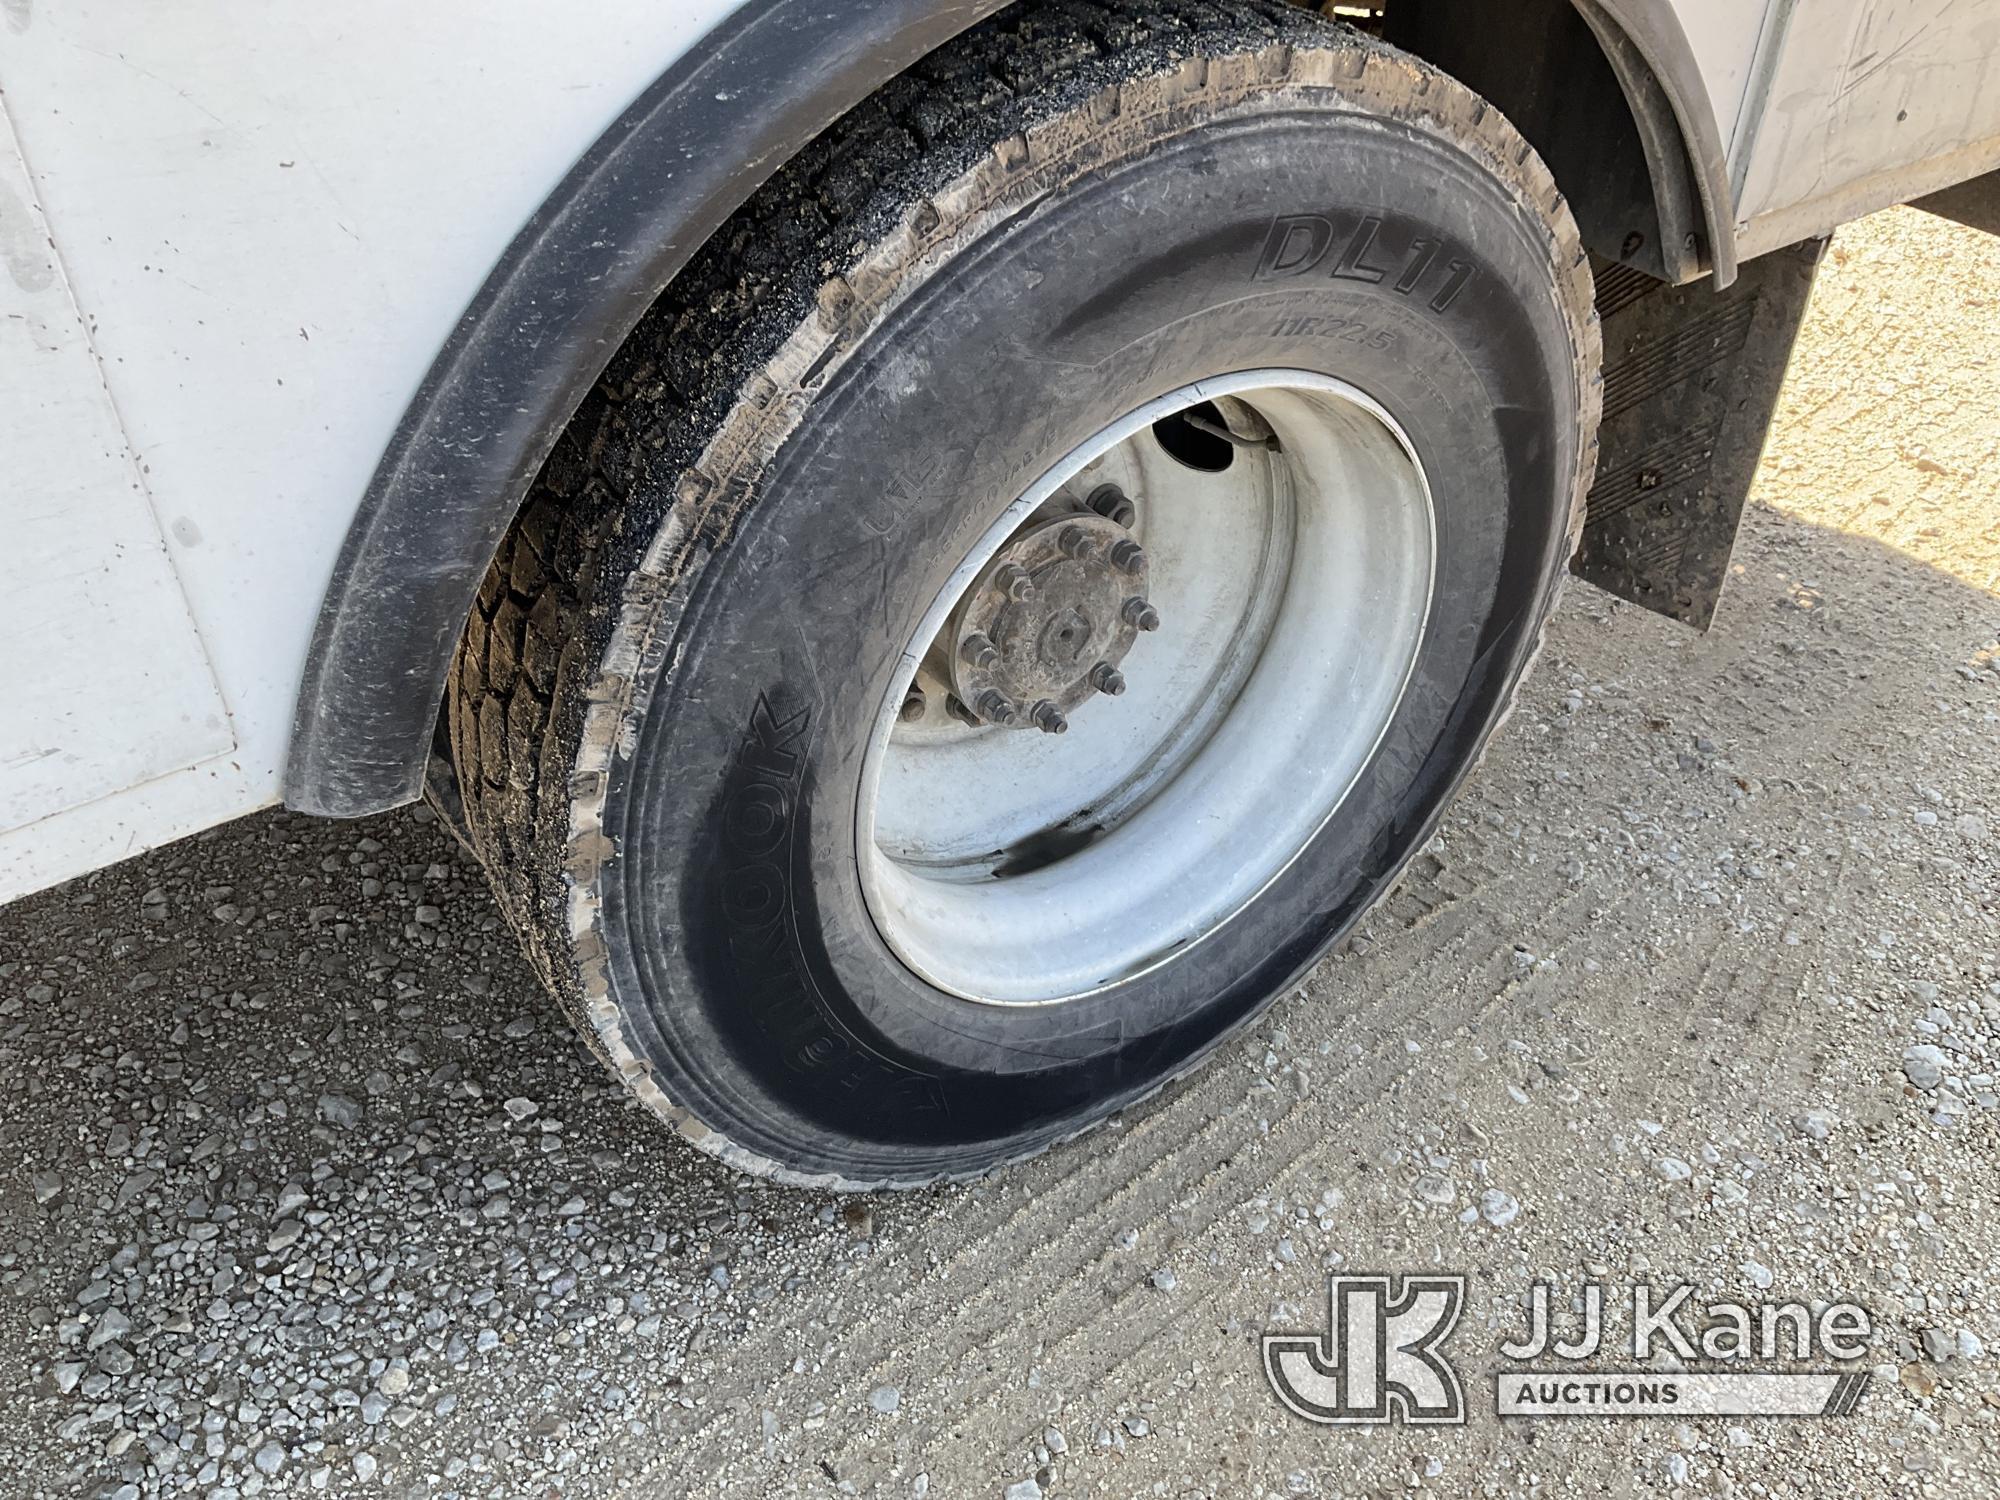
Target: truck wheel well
(1574, 79)
(636, 207)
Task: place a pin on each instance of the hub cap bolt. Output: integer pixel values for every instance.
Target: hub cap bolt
(978, 651)
(1107, 679)
(994, 707)
(1138, 612)
(1049, 719)
(913, 706)
(1128, 556)
(1074, 542)
(1012, 580)
(960, 712)
(1110, 502)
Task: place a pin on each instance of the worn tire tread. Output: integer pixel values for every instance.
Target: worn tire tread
(531, 665)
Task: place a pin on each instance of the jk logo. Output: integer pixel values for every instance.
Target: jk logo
(1377, 1354)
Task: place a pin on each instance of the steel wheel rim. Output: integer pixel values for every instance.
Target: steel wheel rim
(1008, 867)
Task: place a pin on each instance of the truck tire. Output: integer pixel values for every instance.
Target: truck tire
(1205, 380)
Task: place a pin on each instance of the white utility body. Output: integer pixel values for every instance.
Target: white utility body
(235, 236)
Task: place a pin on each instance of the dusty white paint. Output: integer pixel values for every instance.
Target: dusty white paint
(269, 217)
(1860, 93)
(103, 684)
(1723, 36)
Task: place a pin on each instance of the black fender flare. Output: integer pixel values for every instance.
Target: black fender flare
(565, 294)
(569, 288)
(1666, 63)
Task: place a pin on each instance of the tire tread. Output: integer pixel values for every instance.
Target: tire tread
(532, 661)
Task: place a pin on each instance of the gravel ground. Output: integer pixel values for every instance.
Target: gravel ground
(304, 1185)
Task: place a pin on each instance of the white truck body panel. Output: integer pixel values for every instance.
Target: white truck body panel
(99, 638)
(270, 216)
(1724, 36)
(1858, 104)
(262, 223)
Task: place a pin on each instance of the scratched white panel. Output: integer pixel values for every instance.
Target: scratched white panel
(103, 683)
(1866, 90)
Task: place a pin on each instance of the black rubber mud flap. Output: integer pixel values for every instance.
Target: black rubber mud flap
(1691, 377)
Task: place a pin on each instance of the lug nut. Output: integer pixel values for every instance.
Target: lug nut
(1111, 503)
(1128, 556)
(1012, 580)
(1107, 679)
(1138, 612)
(995, 707)
(958, 711)
(1049, 719)
(1074, 541)
(913, 707)
(979, 651)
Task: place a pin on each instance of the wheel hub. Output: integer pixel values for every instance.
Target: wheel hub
(1296, 576)
(1045, 625)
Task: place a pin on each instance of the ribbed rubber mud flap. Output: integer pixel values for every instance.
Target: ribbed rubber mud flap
(1691, 376)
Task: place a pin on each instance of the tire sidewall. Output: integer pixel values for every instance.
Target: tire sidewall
(740, 951)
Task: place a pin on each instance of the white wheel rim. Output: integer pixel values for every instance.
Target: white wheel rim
(1015, 868)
